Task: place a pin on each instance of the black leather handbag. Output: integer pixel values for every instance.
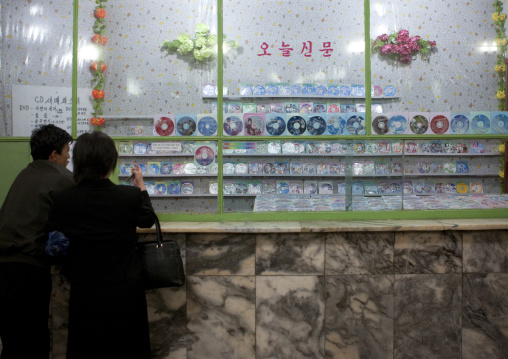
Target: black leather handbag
(162, 261)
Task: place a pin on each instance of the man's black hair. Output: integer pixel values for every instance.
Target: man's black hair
(46, 139)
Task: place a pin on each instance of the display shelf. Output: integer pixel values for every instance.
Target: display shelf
(451, 175)
(120, 117)
(242, 195)
(184, 195)
(309, 155)
(303, 195)
(451, 154)
(156, 155)
(386, 170)
(237, 98)
(310, 175)
(173, 176)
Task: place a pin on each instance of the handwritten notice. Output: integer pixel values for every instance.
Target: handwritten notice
(34, 106)
(166, 147)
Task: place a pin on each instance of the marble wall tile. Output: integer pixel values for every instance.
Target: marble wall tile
(289, 317)
(220, 254)
(485, 316)
(287, 254)
(359, 253)
(221, 317)
(59, 315)
(428, 252)
(167, 317)
(485, 251)
(359, 316)
(427, 316)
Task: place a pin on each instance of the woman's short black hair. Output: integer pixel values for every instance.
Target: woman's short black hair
(94, 156)
(46, 139)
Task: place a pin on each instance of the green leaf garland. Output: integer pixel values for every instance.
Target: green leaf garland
(499, 21)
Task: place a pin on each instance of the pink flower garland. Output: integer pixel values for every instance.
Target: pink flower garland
(401, 47)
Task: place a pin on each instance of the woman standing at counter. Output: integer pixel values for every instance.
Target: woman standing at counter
(107, 306)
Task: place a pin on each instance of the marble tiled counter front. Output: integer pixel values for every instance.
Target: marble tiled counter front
(373, 289)
(333, 226)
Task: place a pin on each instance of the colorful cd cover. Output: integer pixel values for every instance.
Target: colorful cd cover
(249, 107)
(254, 124)
(186, 124)
(125, 147)
(459, 123)
(207, 125)
(439, 123)
(419, 122)
(398, 123)
(480, 122)
(233, 125)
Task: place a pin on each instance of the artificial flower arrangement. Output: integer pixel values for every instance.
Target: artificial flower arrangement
(501, 42)
(401, 47)
(98, 67)
(203, 46)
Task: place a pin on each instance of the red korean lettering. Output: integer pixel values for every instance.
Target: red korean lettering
(307, 49)
(327, 49)
(286, 49)
(264, 47)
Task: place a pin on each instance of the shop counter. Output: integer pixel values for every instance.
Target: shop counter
(328, 289)
(395, 225)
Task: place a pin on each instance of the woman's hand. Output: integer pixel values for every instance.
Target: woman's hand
(138, 177)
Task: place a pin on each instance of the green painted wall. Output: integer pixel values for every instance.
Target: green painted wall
(15, 156)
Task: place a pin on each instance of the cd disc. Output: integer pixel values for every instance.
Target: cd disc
(164, 126)
(419, 125)
(187, 188)
(397, 124)
(186, 126)
(297, 125)
(480, 124)
(439, 124)
(276, 126)
(174, 188)
(380, 125)
(317, 125)
(166, 168)
(207, 126)
(190, 169)
(204, 156)
(336, 125)
(356, 125)
(460, 124)
(500, 123)
(254, 125)
(462, 188)
(269, 168)
(233, 125)
(476, 187)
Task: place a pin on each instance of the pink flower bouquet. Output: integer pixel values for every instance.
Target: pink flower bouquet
(401, 47)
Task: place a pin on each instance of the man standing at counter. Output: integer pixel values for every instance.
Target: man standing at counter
(25, 268)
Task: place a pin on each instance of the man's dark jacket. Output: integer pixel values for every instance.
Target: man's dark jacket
(25, 212)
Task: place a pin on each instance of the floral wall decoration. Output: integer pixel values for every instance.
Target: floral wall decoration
(401, 47)
(98, 67)
(499, 21)
(203, 46)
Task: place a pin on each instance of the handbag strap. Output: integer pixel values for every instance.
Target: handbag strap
(160, 237)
